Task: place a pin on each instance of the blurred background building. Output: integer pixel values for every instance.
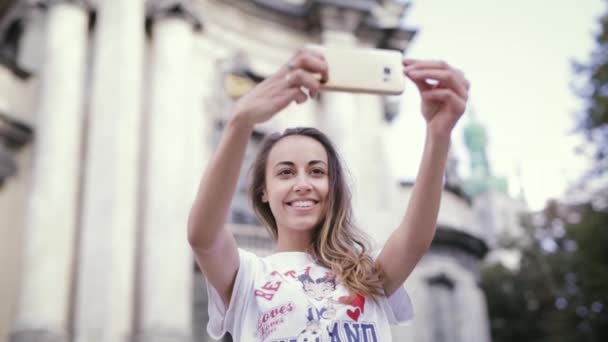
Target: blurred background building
(109, 111)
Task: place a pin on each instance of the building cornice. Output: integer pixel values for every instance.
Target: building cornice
(378, 24)
(183, 9)
(455, 238)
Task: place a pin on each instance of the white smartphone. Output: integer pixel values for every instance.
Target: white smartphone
(363, 70)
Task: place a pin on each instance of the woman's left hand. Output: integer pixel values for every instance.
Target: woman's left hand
(444, 98)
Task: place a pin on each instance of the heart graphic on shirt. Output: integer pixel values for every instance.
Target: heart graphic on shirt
(354, 314)
(357, 301)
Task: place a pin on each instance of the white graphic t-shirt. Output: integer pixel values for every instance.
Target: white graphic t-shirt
(286, 297)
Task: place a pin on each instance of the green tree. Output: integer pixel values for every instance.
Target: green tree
(593, 120)
(560, 291)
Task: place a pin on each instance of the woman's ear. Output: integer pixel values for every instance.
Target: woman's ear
(264, 196)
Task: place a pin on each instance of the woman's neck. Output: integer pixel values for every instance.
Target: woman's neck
(290, 240)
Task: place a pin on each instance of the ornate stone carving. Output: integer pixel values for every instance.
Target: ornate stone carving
(8, 166)
(13, 133)
(337, 18)
(159, 9)
(86, 4)
(11, 30)
(12, 22)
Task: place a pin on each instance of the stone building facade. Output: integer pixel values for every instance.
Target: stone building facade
(109, 111)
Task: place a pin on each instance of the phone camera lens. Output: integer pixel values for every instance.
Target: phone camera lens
(387, 70)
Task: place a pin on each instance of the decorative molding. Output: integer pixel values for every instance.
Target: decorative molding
(13, 133)
(160, 9)
(335, 18)
(380, 23)
(45, 4)
(393, 38)
(11, 30)
(8, 166)
(12, 21)
(441, 279)
(456, 238)
(9, 47)
(298, 9)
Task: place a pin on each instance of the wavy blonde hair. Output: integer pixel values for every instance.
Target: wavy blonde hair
(336, 243)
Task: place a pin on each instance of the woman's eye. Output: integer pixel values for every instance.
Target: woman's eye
(318, 171)
(285, 172)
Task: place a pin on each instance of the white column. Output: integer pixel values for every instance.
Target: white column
(475, 311)
(104, 307)
(42, 312)
(172, 172)
(372, 161)
(340, 117)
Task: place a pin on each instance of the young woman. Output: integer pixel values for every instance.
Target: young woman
(321, 283)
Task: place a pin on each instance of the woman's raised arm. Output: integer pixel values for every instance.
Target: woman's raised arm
(443, 103)
(214, 246)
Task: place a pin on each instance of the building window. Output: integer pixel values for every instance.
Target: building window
(443, 304)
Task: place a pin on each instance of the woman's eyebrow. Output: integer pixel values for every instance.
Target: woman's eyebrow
(313, 162)
(288, 163)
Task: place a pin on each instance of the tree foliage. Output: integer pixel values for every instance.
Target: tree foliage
(593, 121)
(560, 291)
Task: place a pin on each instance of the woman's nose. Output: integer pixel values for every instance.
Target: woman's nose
(302, 184)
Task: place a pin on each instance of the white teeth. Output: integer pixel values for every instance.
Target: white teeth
(302, 204)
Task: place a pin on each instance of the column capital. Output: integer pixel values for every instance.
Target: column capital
(336, 18)
(184, 9)
(85, 4)
(14, 133)
(8, 165)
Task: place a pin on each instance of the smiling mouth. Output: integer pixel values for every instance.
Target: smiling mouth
(302, 204)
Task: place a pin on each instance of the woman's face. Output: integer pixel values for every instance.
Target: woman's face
(297, 183)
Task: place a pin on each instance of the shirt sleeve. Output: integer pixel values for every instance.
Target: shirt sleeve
(398, 307)
(224, 319)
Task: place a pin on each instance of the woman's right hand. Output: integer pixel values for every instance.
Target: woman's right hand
(277, 91)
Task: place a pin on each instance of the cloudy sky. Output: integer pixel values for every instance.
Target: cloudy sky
(517, 55)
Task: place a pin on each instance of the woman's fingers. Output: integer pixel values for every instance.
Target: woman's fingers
(447, 78)
(285, 98)
(310, 61)
(300, 78)
(422, 85)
